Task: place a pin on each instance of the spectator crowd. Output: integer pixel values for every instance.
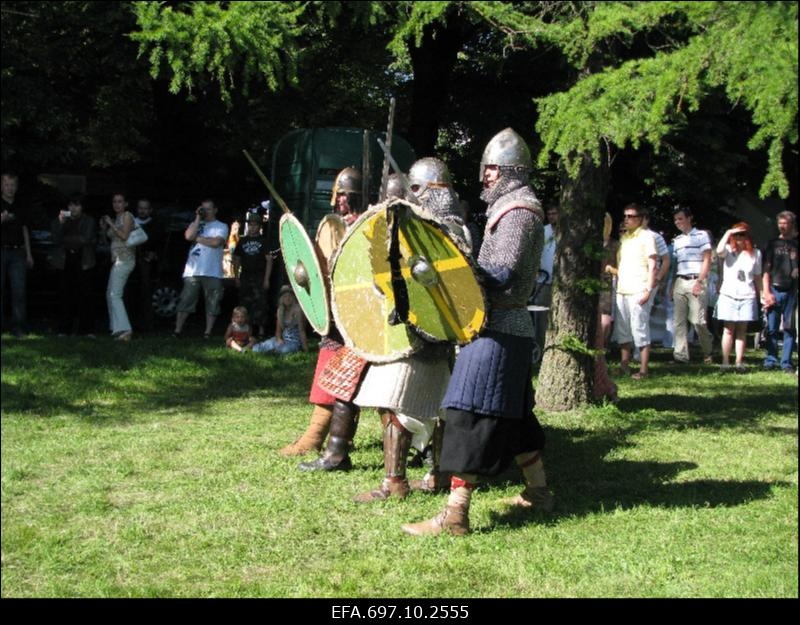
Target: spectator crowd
(708, 289)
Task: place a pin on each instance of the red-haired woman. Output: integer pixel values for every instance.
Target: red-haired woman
(740, 291)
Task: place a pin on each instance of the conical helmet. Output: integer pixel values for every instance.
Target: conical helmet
(506, 149)
(428, 172)
(394, 187)
(347, 181)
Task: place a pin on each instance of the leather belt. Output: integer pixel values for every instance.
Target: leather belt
(691, 276)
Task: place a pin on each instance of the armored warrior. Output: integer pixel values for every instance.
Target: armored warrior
(339, 369)
(432, 185)
(346, 197)
(329, 414)
(489, 400)
(408, 392)
(394, 187)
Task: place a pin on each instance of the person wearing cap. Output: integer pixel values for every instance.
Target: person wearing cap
(290, 327)
(489, 400)
(779, 285)
(252, 265)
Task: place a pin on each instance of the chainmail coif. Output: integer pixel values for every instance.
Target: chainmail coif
(443, 205)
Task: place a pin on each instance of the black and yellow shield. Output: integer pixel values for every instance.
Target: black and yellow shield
(445, 300)
(361, 310)
(305, 273)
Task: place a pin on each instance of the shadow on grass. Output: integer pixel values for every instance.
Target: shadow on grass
(696, 494)
(107, 381)
(720, 409)
(585, 483)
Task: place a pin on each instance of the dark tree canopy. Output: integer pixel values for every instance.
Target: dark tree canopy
(661, 102)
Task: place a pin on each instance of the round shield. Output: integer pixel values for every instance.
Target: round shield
(360, 309)
(305, 273)
(445, 300)
(330, 233)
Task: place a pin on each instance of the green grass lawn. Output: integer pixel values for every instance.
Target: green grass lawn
(150, 469)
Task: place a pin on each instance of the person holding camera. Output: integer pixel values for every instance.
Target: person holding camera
(123, 260)
(203, 268)
(74, 241)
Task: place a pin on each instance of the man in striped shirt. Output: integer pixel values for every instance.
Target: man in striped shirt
(692, 249)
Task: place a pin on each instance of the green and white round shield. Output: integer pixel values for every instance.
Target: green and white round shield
(305, 273)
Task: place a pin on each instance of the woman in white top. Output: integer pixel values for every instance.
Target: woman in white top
(740, 290)
(123, 260)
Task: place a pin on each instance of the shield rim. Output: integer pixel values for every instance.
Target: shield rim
(414, 346)
(329, 217)
(289, 217)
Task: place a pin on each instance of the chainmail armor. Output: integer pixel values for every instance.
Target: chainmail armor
(515, 242)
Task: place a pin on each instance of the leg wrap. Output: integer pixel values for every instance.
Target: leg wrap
(454, 519)
(396, 444)
(434, 480)
(536, 494)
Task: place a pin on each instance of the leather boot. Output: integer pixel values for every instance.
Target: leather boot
(452, 520)
(336, 456)
(534, 497)
(536, 494)
(396, 443)
(434, 480)
(314, 435)
(351, 444)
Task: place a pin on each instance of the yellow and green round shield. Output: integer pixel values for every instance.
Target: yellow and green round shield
(360, 308)
(445, 300)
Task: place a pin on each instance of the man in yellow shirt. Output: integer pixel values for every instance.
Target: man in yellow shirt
(636, 279)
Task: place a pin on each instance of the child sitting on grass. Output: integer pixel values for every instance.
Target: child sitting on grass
(290, 331)
(239, 336)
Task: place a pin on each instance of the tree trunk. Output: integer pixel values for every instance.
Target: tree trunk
(433, 64)
(566, 376)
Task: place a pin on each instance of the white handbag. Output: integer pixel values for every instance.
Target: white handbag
(136, 237)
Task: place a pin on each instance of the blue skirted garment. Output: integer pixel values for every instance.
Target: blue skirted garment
(492, 376)
(489, 405)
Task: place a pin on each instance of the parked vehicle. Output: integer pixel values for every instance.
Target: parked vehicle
(305, 163)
